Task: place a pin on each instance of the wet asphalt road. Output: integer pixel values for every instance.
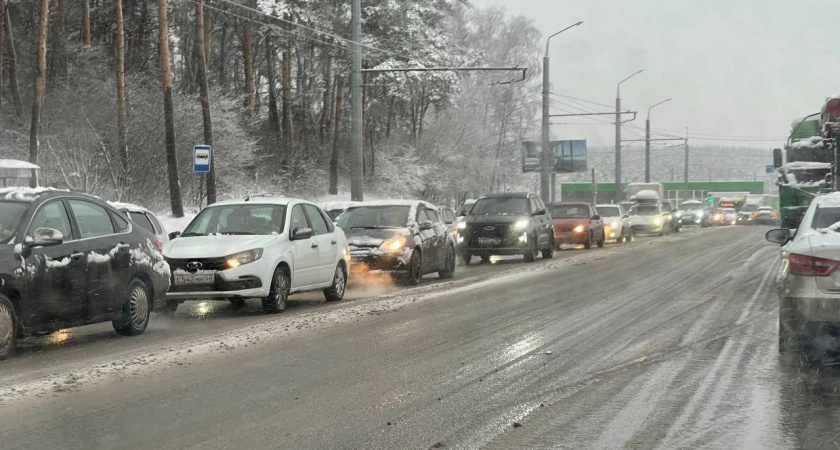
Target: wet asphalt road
(661, 343)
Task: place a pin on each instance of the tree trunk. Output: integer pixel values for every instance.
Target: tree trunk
(2, 45)
(168, 113)
(273, 116)
(288, 130)
(56, 66)
(202, 34)
(390, 118)
(14, 86)
(326, 112)
(339, 106)
(223, 54)
(40, 72)
(249, 70)
(86, 19)
(122, 146)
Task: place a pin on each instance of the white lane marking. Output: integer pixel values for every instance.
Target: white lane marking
(751, 302)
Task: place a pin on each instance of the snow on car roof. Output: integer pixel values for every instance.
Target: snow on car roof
(259, 201)
(397, 203)
(130, 207)
(330, 206)
(16, 164)
(26, 193)
(831, 199)
(691, 202)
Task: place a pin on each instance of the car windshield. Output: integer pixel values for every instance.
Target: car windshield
(608, 211)
(644, 210)
(238, 219)
(826, 217)
(384, 216)
(464, 209)
(500, 206)
(10, 215)
(691, 207)
(569, 211)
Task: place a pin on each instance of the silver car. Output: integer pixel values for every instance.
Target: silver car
(808, 283)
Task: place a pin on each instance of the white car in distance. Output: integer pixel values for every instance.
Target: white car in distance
(616, 223)
(265, 248)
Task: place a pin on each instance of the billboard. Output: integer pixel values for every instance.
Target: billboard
(566, 156)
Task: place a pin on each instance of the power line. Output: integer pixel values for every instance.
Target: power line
(582, 100)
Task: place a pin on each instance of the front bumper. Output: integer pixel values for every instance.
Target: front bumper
(646, 228)
(611, 233)
(502, 241)
(246, 281)
(570, 237)
(385, 262)
(691, 220)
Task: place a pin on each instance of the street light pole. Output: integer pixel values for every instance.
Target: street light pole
(647, 141)
(356, 118)
(618, 136)
(545, 159)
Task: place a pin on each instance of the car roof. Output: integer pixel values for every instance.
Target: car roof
(507, 195)
(691, 202)
(129, 207)
(607, 206)
(765, 207)
(395, 203)
(574, 203)
(283, 201)
(27, 194)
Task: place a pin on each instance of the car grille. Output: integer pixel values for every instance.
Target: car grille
(564, 230)
(488, 231)
(206, 263)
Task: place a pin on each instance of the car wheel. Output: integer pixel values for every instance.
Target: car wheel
(548, 253)
(278, 294)
(531, 254)
(414, 273)
(630, 236)
(339, 285)
(234, 302)
(465, 258)
(485, 258)
(448, 265)
(137, 308)
(588, 244)
(602, 241)
(8, 327)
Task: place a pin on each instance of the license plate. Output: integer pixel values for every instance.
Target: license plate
(194, 278)
(488, 241)
(564, 235)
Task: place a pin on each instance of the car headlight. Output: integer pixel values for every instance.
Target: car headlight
(579, 229)
(462, 225)
(657, 220)
(393, 245)
(614, 224)
(678, 214)
(521, 224)
(238, 259)
(699, 213)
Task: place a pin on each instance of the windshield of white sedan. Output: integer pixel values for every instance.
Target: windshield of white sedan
(692, 207)
(10, 215)
(373, 217)
(570, 212)
(238, 219)
(644, 210)
(606, 211)
(503, 206)
(826, 218)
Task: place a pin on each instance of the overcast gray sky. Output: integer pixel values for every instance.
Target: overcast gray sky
(732, 67)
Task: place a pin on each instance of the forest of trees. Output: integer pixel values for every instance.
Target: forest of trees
(83, 92)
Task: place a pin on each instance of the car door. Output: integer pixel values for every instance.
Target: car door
(304, 251)
(53, 278)
(439, 240)
(596, 224)
(427, 238)
(107, 244)
(327, 244)
(541, 221)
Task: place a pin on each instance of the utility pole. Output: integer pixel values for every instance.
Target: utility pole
(545, 172)
(594, 188)
(618, 136)
(647, 140)
(357, 145)
(685, 175)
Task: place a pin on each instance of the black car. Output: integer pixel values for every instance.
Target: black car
(405, 238)
(676, 224)
(693, 212)
(70, 259)
(506, 224)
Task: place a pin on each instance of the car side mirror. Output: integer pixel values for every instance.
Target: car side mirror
(426, 225)
(174, 235)
(779, 236)
(596, 217)
(539, 212)
(625, 216)
(44, 237)
(301, 233)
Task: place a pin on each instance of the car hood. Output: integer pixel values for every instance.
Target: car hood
(608, 220)
(495, 219)
(570, 223)
(215, 246)
(361, 237)
(639, 219)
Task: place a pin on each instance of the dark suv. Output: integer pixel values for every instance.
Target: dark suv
(70, 259)
(506, 224)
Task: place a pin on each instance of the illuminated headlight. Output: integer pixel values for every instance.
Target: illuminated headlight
(347, 254)
(238, 259)
(699, 213)
(523, 238)
(612, 235)
(462, 225)
(579, 229)
(393, 245)
(657, 221)
(614, 224)
(520, 225)
(678, 214)
(717, 216)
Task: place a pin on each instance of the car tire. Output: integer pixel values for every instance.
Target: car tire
(234, 302)
(414, 273)
(336, 290)
(531, 254)
(136, 310)
(8, 327)
(448, 270)
(548, 253)
(588, 244)
(278, 294)
(630, 236)
(485, 258)
(465, 258)
(602, 241)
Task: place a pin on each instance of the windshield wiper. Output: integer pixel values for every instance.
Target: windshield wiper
(192, 234)
(236, 233)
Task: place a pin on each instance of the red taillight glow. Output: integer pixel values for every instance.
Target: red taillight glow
(159, 246)
(773, 214)
(811, 266)
(755, 214)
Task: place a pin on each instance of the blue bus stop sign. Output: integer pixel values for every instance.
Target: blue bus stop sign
(201, 158)
(769, 169)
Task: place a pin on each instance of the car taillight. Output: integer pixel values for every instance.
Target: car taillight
(755, 214)
(159, 245)
(773, 214)
(811, 266)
